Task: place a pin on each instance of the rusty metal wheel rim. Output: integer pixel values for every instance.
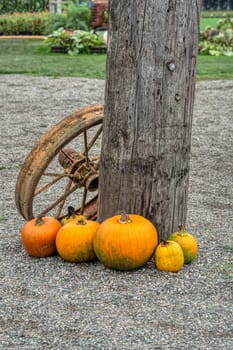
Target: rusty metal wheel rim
(44, 152)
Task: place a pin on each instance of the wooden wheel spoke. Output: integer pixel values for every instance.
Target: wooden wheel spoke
(93, 140)
(59, 175)
(84, 200)
(86, 147)
(59, 200)
(40, 179)
(95, 159)
(49, 184)
(61, 205)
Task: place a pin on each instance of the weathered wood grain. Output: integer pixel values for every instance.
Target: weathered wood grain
(149, 95)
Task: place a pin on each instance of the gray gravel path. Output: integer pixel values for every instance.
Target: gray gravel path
(50, 304)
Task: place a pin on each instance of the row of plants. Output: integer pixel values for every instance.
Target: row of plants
(74, 16)
(217, 41)
(122, 242)
(24, 23)
(11, 6)
(213, 41)
(76, 42)
(77, 35)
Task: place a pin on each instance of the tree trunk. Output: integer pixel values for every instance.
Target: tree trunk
(149, 96)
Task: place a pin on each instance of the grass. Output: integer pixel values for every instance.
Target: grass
(29, 56)
(212, 22)
(216, 13)
(211, 18)
(210, 67)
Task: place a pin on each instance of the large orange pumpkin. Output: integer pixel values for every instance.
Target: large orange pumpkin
(125, 242)
(74, 240)
(187, 242)
(38, 236)
(169, 256)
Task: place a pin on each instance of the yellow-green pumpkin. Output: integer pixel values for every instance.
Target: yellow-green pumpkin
(71, 216)
(187, 242)
(169, 256)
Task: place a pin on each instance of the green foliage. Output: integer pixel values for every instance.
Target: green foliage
(78, 16)
(74, 16)
(60, 38)
(217, 41)
(24, 23)
(55, 21)
(11, 6)
(83, 41)
(76, 42)
(106, 15)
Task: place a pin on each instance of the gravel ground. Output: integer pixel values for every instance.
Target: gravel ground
(50, 304)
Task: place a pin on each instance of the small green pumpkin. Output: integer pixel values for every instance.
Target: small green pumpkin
(71, 216)
(187, 242)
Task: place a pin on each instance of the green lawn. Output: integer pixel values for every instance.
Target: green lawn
(31, 56)
(211, 18)
(212, 22)
(210, 67)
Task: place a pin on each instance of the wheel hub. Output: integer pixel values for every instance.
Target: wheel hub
(83, 170)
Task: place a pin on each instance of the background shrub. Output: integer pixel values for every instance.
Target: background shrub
(55, 21)
(24, 23)
(74, 16)
(218, 41)
(11, 6)
(78, 16)
(76, 42)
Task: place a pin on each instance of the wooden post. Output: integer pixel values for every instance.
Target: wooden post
(59, 7)
(55, 6)
(149, 96)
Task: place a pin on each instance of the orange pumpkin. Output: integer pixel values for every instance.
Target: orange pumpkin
(125, 242)
(169, 256)
(74, 240)
(187, 242)
(38, 236)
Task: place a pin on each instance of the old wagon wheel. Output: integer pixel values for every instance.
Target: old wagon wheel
(54, 177)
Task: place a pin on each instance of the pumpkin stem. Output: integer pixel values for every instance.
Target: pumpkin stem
(124, 219)
(181, 230)
(71, 212)
(81, 221)
(39, 221)
(165, 243)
